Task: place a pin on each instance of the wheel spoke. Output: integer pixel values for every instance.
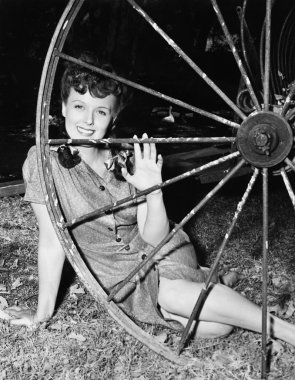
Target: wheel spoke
(150, 91)
(288, 186)
(112, 206)
(187, 59)
(261, 58)
(267, 56)
(290, 163)
(198, 306)
(290, 114)
(288, 99)
(280, 81)
(158, 140)
(249, 50)
(235, 54)
(264, 272)
(285, 51)
(177, 228)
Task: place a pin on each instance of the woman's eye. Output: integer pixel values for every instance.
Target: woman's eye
(101, 112)
(78, 106)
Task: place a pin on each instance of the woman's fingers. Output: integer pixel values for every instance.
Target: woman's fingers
(149, 150)
(12, 313)
(21, 316)
(21, 322)
(160, 161)
(137, 150)
(146, 148)
(19, 311)
(15, 310)
(153, 152)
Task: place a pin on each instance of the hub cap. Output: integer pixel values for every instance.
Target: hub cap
(265, 139)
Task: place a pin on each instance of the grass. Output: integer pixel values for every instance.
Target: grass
(83, 342)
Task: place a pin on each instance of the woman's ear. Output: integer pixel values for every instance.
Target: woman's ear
(113, 123)
(63, 109)
(111, 128)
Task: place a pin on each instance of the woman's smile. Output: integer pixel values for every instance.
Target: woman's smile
(85, 131)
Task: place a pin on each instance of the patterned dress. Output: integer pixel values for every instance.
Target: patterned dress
(111, 244)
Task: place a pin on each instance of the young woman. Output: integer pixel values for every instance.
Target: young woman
(113, 244)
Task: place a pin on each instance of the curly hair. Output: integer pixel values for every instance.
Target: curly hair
(99, 86)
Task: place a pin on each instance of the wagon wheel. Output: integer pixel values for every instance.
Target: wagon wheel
(264, 141)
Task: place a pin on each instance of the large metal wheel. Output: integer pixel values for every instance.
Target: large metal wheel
(262, 142)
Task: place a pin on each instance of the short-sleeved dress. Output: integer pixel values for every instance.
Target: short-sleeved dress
(111, 244)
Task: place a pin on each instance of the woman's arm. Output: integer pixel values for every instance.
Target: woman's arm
(152, 218)
(50, 264)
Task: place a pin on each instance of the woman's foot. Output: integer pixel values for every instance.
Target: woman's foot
(230, 279)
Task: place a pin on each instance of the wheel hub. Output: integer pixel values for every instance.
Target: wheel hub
(265, 139)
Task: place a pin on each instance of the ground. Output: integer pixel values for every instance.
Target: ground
(83, 342)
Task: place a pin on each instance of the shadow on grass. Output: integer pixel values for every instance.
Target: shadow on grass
(67, 279)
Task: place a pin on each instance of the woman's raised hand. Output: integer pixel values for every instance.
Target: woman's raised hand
(148, 166)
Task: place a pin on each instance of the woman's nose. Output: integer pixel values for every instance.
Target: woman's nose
(89, 118)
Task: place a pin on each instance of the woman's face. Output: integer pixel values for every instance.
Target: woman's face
(87, 116)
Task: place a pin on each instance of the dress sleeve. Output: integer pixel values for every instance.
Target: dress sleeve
(33, 190)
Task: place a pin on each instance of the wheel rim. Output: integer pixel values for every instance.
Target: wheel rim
(51, 198)
(264, 140)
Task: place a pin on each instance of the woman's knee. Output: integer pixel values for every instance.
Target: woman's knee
(172, 300)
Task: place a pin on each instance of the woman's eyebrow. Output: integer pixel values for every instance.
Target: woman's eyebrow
(104, 107)
(98, 107)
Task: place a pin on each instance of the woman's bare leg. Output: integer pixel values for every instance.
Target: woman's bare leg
(223, 306)
(203, 329)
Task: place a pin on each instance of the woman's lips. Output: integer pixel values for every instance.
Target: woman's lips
(85, 132)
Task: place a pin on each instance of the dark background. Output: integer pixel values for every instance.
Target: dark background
(26, 27)
(114, 31)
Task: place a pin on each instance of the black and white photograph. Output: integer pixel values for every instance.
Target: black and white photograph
(147, 182)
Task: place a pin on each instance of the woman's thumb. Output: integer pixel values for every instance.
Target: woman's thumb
(125, 173)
